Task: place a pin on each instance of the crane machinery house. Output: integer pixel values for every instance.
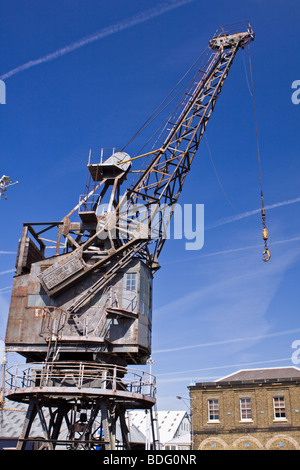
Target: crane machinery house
(54, 314)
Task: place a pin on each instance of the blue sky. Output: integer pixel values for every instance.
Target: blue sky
(83, 75)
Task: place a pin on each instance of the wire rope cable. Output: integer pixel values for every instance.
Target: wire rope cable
(159, 108)
(266, 253)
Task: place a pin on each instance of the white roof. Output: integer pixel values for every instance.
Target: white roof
(168, 422)
(184, 439)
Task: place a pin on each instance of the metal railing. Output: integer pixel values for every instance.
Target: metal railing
(233, 28)
(81, 375)
(88, 204)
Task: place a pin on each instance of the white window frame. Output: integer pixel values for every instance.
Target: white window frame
(130, 280)
(212, 411)
(279, 407)
(246, 409)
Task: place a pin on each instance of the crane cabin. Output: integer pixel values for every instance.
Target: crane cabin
(73, 305)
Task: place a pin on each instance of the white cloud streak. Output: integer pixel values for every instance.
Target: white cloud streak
(4, 290)
(226, 366)
(8, 271)
(233, 250)
(227, 341)
(116, 28)
(228, 220)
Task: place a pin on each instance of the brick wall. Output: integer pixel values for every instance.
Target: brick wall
(262, 431)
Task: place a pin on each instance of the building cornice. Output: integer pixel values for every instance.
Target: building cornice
(244, 383)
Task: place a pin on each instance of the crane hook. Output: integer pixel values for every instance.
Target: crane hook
(266, 253)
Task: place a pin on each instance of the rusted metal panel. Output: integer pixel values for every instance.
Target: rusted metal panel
(30, 254)
(125, 330)
(56, 274)
(144, 332)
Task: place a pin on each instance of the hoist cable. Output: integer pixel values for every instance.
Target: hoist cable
(217, 176)
(263, 212)
(159, 108)
(256, 127)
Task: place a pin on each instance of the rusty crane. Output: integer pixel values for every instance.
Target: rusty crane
(82, 314)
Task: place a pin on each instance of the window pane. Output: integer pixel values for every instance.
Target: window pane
(279, 407)
(213, 410)
(245, 406)
(131, 281)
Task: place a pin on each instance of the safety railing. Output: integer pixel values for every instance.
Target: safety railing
(88, 203)
(81, 375)
(233, 28)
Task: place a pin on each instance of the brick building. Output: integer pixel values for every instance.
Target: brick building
(250, 409)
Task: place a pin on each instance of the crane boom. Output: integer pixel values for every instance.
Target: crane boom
(163, 180)
(141, 217)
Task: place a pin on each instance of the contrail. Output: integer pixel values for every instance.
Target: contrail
(116, 28)
(6, 272)
(6, 288)
(227, 341)
(228, 220)
(243, 364)
(232, 250)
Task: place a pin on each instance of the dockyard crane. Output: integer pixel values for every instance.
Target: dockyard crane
(85, 309)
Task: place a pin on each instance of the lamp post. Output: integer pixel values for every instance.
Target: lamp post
(150, 361)
(3, 364)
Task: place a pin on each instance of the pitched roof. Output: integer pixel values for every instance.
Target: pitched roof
(168, 421)
(262, 374)
(12, 417)
(183, 440)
